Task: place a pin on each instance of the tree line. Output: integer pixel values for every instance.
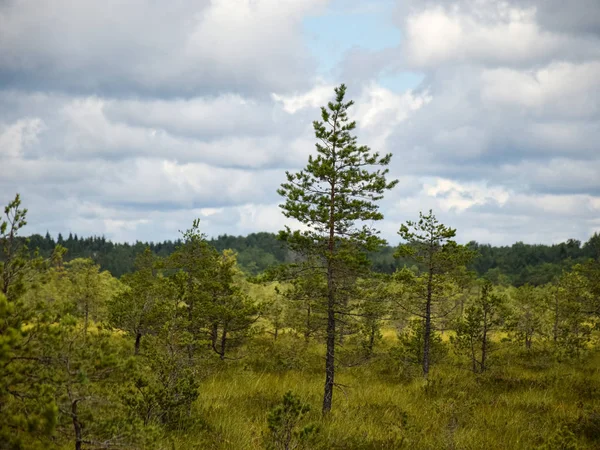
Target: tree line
(517, 264)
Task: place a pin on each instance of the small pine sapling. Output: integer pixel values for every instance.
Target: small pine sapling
(284, 423)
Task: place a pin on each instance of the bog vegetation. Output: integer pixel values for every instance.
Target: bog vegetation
(332, 339)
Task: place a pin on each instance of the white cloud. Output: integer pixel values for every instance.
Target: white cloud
(462, 196)
(379, 111)
(380, 105)
(317, 96)
(14, 138)
(493, 215)
(134, 124)
(562, 89)
(205, 117)
(143, 46)
(488, 31)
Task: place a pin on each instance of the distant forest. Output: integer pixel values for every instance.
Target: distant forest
(517, 265)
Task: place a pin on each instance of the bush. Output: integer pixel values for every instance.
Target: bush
(284, 424)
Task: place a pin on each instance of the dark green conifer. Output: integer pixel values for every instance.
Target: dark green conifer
(335, 198)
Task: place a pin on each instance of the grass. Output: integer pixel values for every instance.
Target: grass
(526, 401)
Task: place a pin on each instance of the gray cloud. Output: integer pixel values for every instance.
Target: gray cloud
(133, 124)
(575, 16)
(143, 47)
(515, 109)
(486, 112)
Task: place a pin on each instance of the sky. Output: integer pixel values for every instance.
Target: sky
(130, 119)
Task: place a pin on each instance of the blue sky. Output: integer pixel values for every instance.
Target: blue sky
(330, 35)
(338, 29)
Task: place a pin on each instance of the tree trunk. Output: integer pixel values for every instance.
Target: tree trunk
(372, 339)
(190, 346)
(223, 343)
(484, 343)
(555, 331)
(308, 325)
(138, 340)
(214, 334)
(288, 439)
(6, 273)
(190, 326)
(340, 327)
(427, 334)
(76, 426)
(330, 356)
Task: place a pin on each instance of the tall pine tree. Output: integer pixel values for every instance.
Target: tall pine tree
(333, 197)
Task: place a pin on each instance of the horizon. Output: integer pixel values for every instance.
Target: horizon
(213, 238)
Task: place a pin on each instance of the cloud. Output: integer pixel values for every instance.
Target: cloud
(558, 90)
(17, 136)
(493, 214)
(133, 124)
(317, 96)
(486, 32)
(147, 183)
(206, 118)
(225, 131)
(575, 17)
(512, 117)
(118, 48)
(464, 196)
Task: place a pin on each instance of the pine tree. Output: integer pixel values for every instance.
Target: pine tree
(284, 424)
(28, 410)
(430, 244)
(15, 255)
(372, 309)
(194, 260)
(139, 309)
(572, 327)
(88, 369)
(217, 311)
(481, 318)
(306, 313)
(333, 197)
(229, 312)
(90, 289)
(528, 313)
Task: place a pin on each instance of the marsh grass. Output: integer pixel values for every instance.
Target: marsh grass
(527, 400)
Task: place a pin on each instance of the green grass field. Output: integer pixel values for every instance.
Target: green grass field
(527, 400)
